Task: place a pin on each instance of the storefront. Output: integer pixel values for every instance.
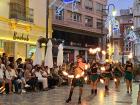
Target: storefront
(76, 44)
(18, 44)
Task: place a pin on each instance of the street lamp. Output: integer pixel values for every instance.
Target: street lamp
(113, 14)
(47, 16)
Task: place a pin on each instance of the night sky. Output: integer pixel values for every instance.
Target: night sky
(121, 4)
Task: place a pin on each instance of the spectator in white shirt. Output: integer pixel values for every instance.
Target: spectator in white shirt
(38, 73)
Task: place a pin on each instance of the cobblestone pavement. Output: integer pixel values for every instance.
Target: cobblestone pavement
(58, 96)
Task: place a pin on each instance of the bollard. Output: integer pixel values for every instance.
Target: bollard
(138, 99)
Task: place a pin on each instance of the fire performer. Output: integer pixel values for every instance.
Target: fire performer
(78, 80)
(94, 77)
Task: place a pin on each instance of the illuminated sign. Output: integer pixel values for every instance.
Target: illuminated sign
(20, 37)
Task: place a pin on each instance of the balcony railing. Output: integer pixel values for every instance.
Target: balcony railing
(19, 12)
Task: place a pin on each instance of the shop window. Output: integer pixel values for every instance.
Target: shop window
(31, 51)
(9, 48)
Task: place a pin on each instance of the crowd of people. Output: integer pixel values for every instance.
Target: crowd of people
(100, 72)
(17, 76)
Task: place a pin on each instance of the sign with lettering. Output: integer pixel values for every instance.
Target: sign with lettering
(21, 36)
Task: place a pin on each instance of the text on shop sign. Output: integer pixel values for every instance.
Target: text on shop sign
(23, 37)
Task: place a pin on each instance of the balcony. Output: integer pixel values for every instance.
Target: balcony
(79, 26)
(19, 12)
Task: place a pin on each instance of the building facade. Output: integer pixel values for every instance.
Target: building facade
(126, 27)
(19, 28)
(81, 29)
(23, 21)
(136, 16)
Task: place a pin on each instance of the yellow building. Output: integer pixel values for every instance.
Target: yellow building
(21, 23)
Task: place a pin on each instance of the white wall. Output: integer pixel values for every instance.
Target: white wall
(39, 7)
(4, 8)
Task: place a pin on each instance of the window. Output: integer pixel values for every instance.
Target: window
(128, 46)
(89, 5)
(99, 7)
(18, 10)
(59, 16)
(88, 21)
(99, 23)
(76, 17)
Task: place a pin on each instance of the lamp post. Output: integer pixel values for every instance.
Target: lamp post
(113, 14)
(47, 16)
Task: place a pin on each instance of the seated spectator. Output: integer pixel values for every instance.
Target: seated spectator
(11, 78)
(38, 73)
(20, 74)
(2, 82)
(30, 78)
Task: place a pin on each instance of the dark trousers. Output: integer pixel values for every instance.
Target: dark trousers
(16, 85)
(32, 82)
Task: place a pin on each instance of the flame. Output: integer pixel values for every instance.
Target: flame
(65, 73)
(102, 81)
(98, 49)
(92, 51)
(115, 80)
(77, 76)
(1, 87)
(82, 73)
(103, 52)
(85, 78)
(86, 67)
(71, 76)
(103, 68)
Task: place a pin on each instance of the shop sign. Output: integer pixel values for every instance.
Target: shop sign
(75, 44)
(21, 36)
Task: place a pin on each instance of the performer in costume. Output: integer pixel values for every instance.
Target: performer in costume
(94, 77)
(117, 71)
(107, 75)
(78, 79)
(129, 75)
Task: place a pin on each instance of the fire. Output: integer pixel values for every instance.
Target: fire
(85, 78)
(115, 80)
(71, 76)
(65, 73)
(102, 81)
(77, 76)
(103, 68)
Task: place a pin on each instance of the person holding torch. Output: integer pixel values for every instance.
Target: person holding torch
(78, 80)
